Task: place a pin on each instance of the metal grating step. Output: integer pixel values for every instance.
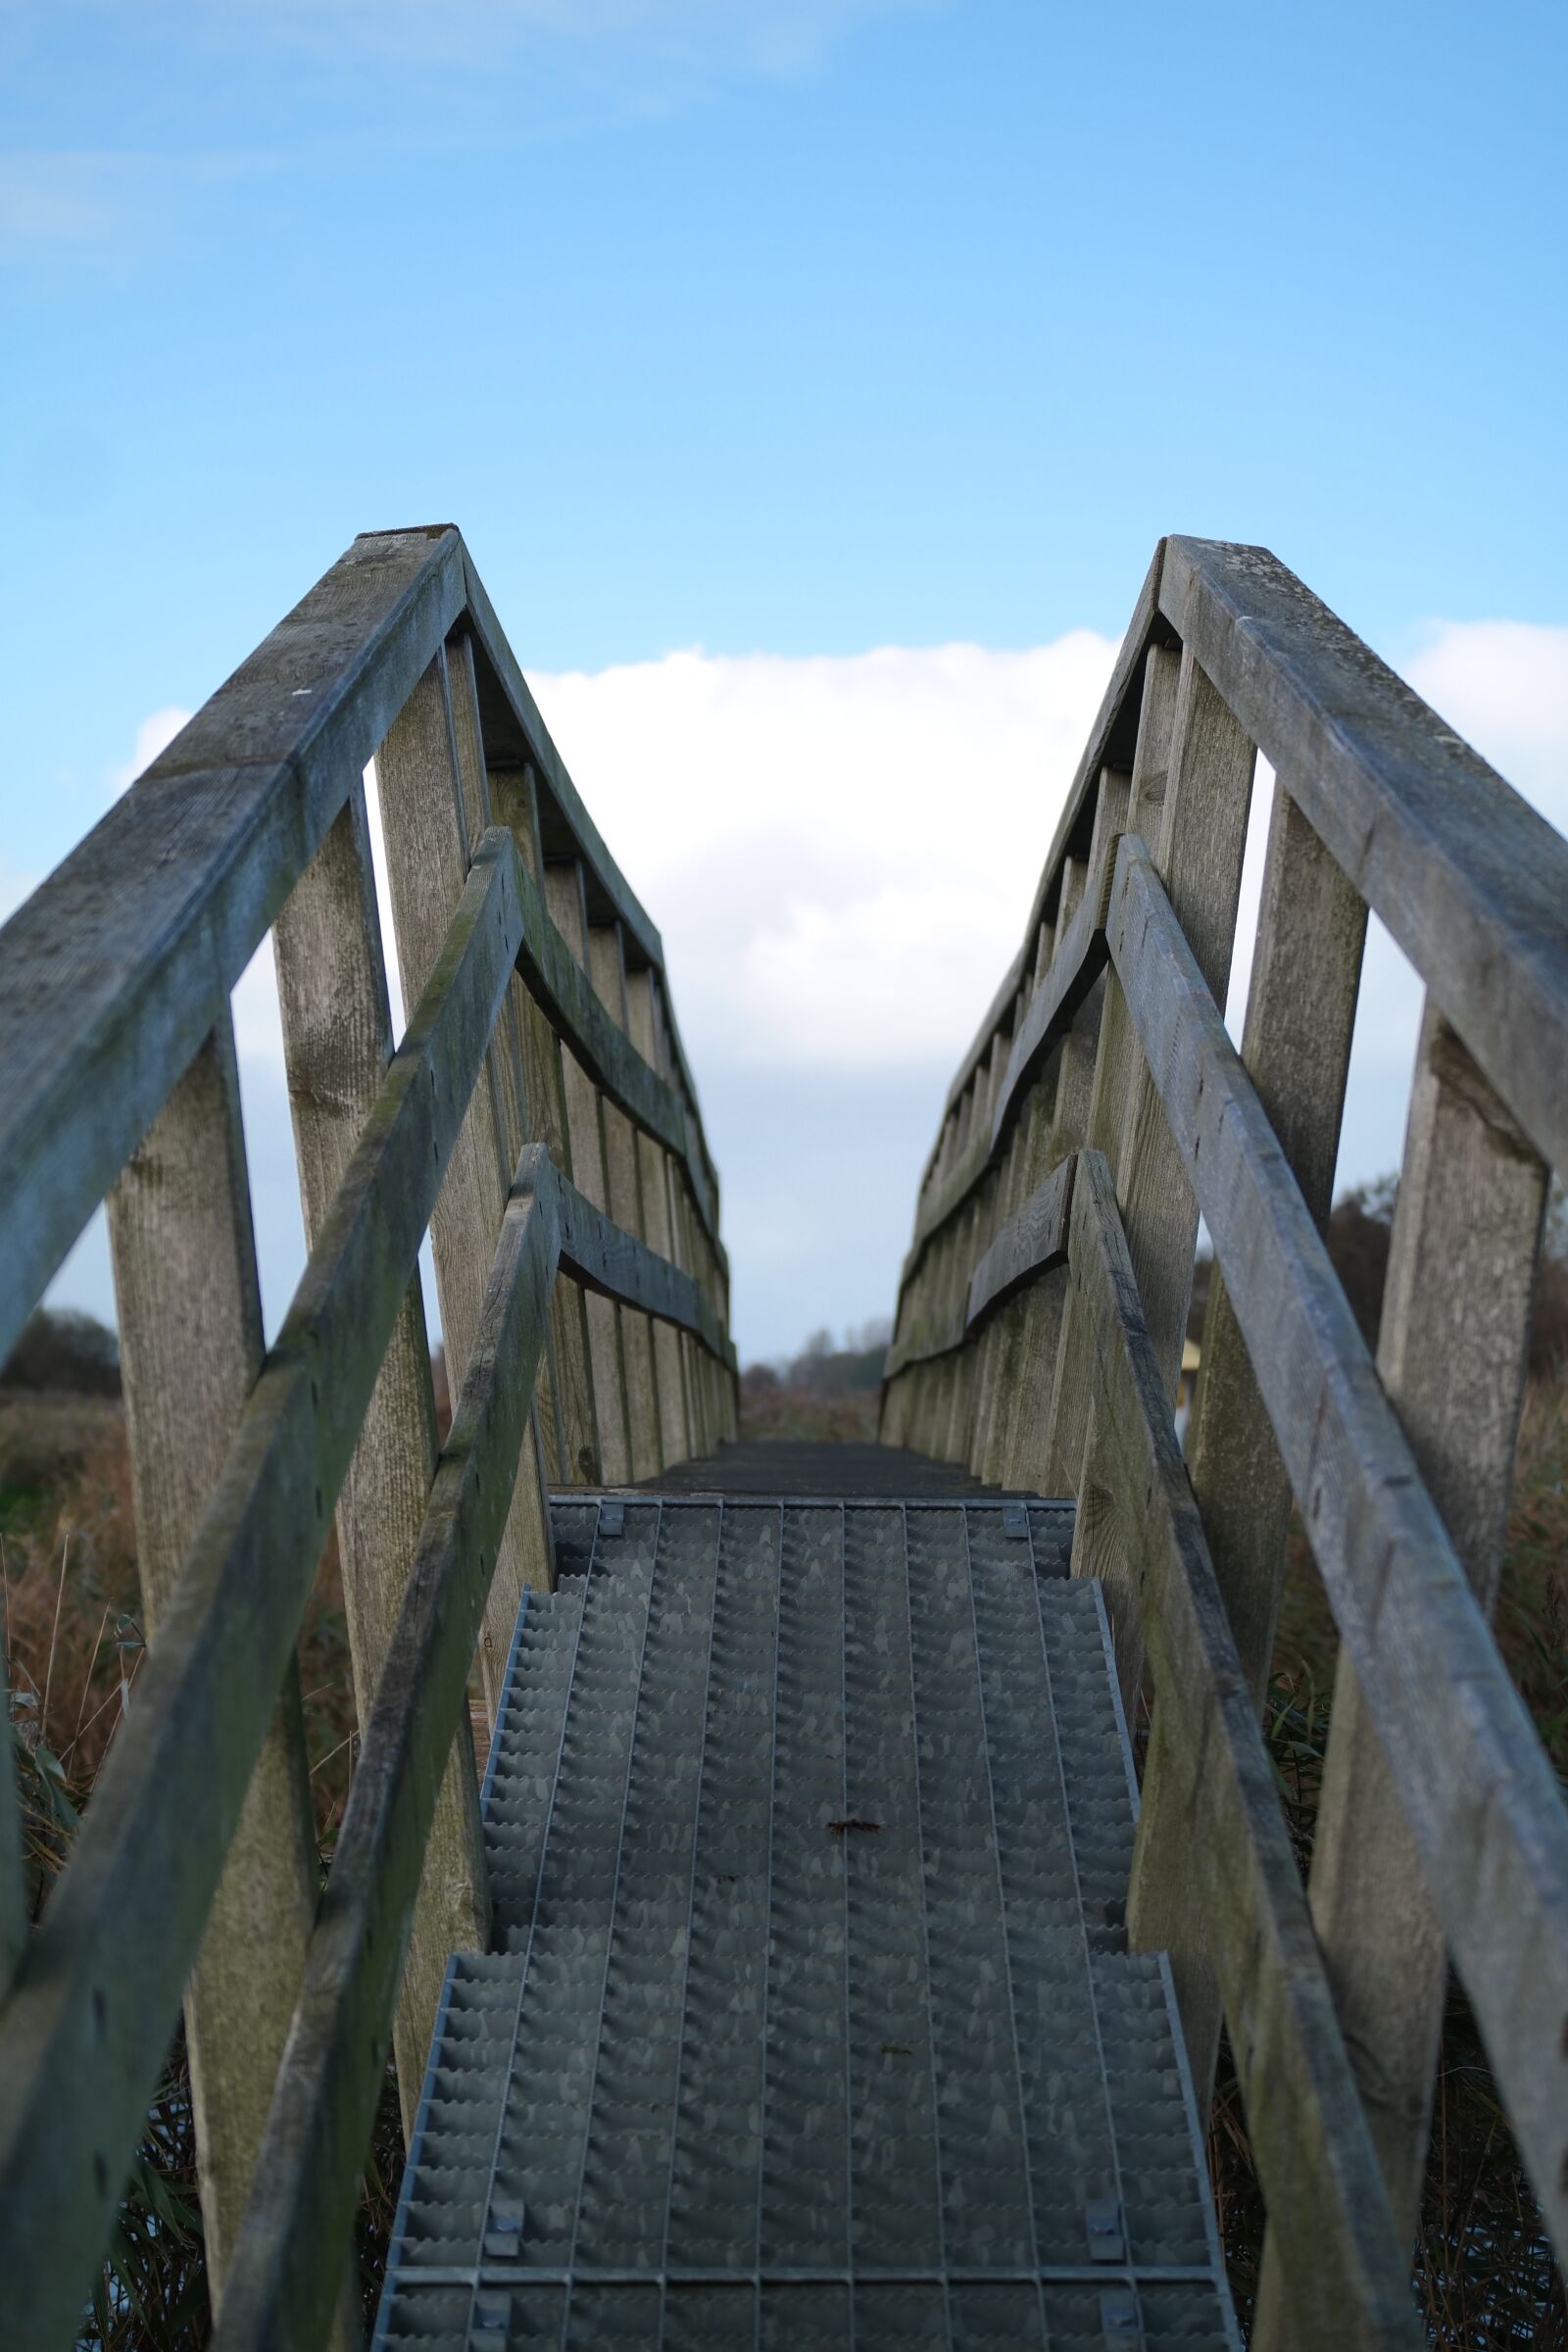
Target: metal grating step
(810, 2020)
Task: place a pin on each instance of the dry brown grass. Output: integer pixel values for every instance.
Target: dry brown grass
(73, 1646)
(775, 1412)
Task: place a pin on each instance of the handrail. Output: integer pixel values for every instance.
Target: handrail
(115, 968)
(1105, 1044)
(125, 960)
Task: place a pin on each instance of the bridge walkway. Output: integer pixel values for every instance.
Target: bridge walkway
(808, 2017)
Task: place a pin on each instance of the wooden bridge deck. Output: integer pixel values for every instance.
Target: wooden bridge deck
(777, 1466)
(808, 2017)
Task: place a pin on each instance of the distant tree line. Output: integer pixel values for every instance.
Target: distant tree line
(823, 1369)
(62, 1348)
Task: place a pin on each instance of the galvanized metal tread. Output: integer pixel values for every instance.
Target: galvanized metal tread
(809, 2022)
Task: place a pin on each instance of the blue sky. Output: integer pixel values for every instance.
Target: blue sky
(785, 331)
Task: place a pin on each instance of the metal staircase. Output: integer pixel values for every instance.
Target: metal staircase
(807, 2018)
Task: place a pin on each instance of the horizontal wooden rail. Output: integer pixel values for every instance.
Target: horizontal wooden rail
(1475, 1784)
(556, 978)
(1466, 875)
(1028, 1245)
(1031, 1243)
(116, 968)
(1110, 744)
(1048, 1015)
(605, 1257)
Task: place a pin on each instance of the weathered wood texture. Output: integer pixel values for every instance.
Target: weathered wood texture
(1465, 874)
(302, 2216)
(425, 825)
(1330, 2221)
(608, 972)
(1441, 1833)
(516, 804)
(1295, 1047)
(563, 891)
(1452, 1356)
(337, 1043)
(190, 1317)
(88, 2020)
(115, 981)
(1472, 1779)
(117, 968)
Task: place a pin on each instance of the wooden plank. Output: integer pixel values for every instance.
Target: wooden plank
(1119, 1094)
(190, 1325)
(1028, 1244)
(578, 1016)
(674, 1436)
(1110, 744)
(1481, 1802)
(1452, 1356)
(1471, 882)
(1118, 1063)
(87, 2024)
(544, 1089)
(422, 821)
(1329, 2218)
(569, 917)
(301, 2218)
(1023, 1168)
(504, 1066)
(509, 710)
(685, 1232)
(1295, 1047)
(1198, 852)
(618, 1266)
(1195, 781)
(1047, 1450)
(607, 969)
(516, 735)
(1077, 964)
(337, 1043)
(115, 970)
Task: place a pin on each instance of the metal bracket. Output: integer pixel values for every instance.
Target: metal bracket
(492, 2316)
(1015, 1522)
(503, 2231)
(1120, 2328)
(611, 1518)
(1103, 2224)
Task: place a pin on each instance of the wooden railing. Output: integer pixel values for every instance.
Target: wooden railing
(1041, 1311)
(539, 1120)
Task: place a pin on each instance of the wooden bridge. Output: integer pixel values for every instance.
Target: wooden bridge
(811, 1968)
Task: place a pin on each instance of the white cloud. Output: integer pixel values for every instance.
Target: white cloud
(1504, 685)
(155, 734)
(840, 853)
